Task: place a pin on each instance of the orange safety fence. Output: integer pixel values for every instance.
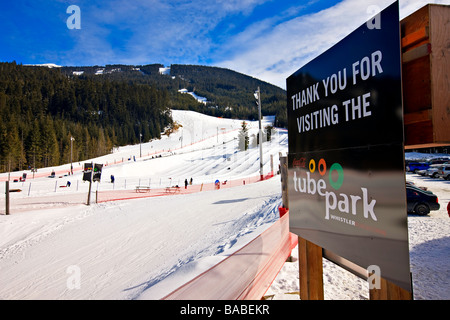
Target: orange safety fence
(113, 195)
(246, 274)
(100, 196)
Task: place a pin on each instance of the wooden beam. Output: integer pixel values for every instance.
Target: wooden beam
(419, 116)
(310, 270)
(428, 145)
(416, 53)
(389, 291)
(415, 37)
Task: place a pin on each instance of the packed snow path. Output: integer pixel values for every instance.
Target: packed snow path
(121, 249)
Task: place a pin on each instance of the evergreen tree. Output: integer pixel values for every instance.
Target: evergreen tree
(269, 131)
(49, 144)
(243, 137)
(33, 145)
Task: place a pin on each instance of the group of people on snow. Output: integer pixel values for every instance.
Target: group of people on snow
(186, 183)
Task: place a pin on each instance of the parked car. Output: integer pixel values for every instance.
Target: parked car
(444, 172)
(422, 172)
(416, 166)
(432, 171)
(439, 161)
(421, 201)
(410, 183)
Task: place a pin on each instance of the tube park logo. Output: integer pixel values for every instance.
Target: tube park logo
(334, 200)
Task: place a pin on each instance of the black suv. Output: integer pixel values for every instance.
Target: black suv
(421, 201)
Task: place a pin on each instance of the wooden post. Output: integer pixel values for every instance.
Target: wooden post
(389, 291)
(271, 164)
(7, 197)
(89, 193)
(284, 181)
(90, 185)
(310, 270)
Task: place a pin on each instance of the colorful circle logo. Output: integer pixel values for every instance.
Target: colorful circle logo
(338, 183)
(322, 169)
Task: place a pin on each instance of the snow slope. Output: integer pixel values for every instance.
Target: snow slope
(53, 246)
(126, 249)
(123, 248)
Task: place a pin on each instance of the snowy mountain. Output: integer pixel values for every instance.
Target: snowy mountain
(48, 65)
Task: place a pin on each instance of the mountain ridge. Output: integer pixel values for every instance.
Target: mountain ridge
(103, 107)
(224, 89)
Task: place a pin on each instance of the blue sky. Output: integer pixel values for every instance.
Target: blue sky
(266, 39)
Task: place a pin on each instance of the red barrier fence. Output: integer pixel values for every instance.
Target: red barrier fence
(246, 274)
(113, 195)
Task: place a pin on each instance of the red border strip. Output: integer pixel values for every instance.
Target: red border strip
(251, 280)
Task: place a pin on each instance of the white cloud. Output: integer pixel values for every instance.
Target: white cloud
(180, 31)
(274, 54)
(176, 30)
(410, 6)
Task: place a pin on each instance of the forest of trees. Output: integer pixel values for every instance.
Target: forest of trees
(42, 108)
(230, 94)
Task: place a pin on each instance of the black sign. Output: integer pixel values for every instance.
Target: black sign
(88, 174)
(97, 172)
(354, 89)
(346, 160)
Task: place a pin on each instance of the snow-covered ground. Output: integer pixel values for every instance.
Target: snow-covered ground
(54, 246)
(196, 97)
(137, 249)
